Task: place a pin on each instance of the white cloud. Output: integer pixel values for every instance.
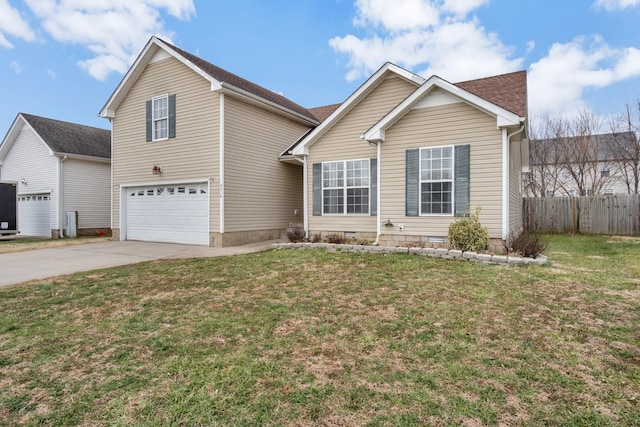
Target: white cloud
(15, 67)
(114, 31)
(612, 5)
(51, 74)
(13, 24)
(557, 82)
(434, 35)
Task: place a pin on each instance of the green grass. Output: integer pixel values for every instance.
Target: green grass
(289, 337)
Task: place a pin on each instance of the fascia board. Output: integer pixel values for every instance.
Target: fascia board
(82, 157)
(504, 118)
(354, 98)
(143, 59)
(231, 90)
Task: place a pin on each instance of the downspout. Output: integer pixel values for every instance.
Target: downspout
(305, 196)
(378, 213)
(61, 197)
(221, 165)
(506, 139)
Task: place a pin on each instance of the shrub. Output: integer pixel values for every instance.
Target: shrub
(467, 234)
(295, 234)
(335, 238)
(527, 244)
(316, 238)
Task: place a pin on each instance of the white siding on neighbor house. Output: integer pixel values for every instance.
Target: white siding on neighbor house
(260, 192)
(191, 156)
(452, 124)
(87, 190)
(31, 159)
(343, 142)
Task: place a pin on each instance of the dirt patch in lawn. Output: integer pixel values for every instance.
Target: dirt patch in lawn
(20, 245)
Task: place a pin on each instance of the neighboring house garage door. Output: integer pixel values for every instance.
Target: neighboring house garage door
(168, 213)
(34, 215)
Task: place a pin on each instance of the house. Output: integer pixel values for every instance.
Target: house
(584, 165)
(195, 153)
(404, 156)
(60, 167)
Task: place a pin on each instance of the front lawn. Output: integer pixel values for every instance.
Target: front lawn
(311, 337)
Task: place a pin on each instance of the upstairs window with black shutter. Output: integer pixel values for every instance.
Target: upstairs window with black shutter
(161, 118)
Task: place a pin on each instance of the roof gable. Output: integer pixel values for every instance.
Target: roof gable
(220, 79)
(387, 70)
(62, 138)
(484, 87)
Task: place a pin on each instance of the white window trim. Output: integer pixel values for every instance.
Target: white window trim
(154, 119)
(452, 180)
(345, 188)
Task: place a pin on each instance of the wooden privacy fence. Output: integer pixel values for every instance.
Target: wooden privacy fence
(616, 214)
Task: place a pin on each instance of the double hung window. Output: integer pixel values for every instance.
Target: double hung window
(345, 187)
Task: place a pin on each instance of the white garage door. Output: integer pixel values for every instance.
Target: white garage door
(34, 215)
(168, 213)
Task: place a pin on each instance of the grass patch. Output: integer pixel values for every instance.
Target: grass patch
(314, 337)
(28, 244)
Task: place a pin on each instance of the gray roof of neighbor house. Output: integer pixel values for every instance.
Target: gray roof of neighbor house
(71, 138)
(610, 146)
(225, 76)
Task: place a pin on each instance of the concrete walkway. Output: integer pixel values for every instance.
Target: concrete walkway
(19, 267)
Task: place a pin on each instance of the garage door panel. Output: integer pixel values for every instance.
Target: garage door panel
(169, 213)
(34, 215)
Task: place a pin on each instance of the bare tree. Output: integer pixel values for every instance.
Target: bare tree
(544, 176)
(625, 147)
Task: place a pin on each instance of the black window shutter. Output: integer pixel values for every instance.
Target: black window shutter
(373, 187)
(317, 189)
(172, 116)
(462, 187)
(412, 187)
(148, 122)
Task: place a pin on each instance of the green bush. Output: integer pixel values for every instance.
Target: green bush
(467, 234)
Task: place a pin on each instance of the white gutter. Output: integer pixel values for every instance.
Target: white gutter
(61, 196)
(305, 196)
(379, 214)
(221, 163)
(506, 138)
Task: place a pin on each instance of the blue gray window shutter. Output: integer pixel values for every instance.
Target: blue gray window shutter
(373, 187)
(149, 127)
(412, 188)
(317, 189)
(172, 116)
(462, 159)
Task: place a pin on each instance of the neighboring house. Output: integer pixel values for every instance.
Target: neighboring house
(195, 153)
(403, 157)
(599, 164)
(60, 167)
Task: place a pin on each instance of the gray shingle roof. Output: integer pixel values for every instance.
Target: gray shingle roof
(71, 138)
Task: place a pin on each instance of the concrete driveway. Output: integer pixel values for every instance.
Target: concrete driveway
(19, 267)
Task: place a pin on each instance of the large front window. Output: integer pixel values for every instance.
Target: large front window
(345, 187)
(161, 117)
(436, 180)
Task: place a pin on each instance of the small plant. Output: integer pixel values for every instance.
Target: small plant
(527, 244)
(316, 238)
(467, 234)
(335, 238)
(295, 234)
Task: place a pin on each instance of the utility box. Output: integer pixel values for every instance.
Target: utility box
(8, 207)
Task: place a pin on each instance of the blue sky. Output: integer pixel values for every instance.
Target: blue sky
(63, 59)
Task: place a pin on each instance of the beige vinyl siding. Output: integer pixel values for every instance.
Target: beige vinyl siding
(343, 142)
(30, 158)
(86, 190)
(260, 192)
(453, 124)
(192, 155)
(515, 187)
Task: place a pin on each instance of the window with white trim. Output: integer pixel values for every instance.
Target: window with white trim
(345, 187)
(160, 117)
(436, 180)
